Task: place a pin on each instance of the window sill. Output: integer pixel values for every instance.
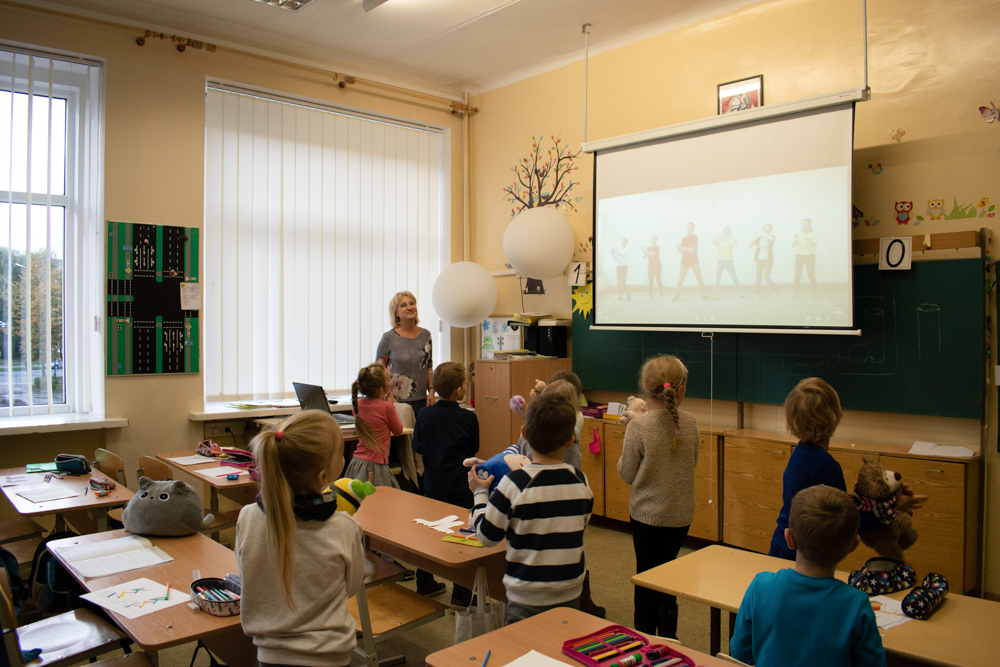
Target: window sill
(222, 410)
(57, 423)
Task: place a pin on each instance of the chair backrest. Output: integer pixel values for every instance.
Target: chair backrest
(7, 615)
(153, 468)
(111, 465)
(725, 657)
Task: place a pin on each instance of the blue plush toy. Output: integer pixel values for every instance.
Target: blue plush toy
(498, 465)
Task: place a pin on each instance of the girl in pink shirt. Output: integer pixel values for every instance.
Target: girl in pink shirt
(376, 421)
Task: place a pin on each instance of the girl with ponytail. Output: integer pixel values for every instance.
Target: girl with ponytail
(658, 459)
(376, 420)
(300, 560)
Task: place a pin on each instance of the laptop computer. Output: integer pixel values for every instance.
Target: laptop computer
(312, 397)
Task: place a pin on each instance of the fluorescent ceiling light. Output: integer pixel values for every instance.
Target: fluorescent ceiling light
(292, 5)
(369, 5)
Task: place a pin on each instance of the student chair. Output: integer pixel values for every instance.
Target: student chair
(725, 657)
(111, 466)
(65, 639)
(159, 471)
(21, 538)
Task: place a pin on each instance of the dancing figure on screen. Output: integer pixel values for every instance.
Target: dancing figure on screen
(763, 256)
(621, 256)
(805, 255)
(688, 248)
(652, 254)
(724, 243)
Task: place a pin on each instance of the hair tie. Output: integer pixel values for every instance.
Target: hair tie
(666, 384)
(277, 436)
(677, 431)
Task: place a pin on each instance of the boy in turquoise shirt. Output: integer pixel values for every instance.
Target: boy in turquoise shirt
(805, 616)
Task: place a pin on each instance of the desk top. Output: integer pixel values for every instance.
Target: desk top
(218, 482)
(848, 446)
(389, 514)
(957, 634)
(544, 633)
(81, 483)
(173, 625)
(347, 430)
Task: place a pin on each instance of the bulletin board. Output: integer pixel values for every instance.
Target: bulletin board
(151, 329)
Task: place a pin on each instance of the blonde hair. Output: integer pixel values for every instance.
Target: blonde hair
(394, 306)
(288, 460)
(564, 389)
(662, 378)
(371, 382)
(824, 522)
(812, 410)
(572, 378)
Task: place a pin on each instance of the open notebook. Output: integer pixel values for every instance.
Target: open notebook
(101, 559)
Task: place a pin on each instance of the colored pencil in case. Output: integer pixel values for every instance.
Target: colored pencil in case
(602, 656)
(594, 638)
(208, 594)
(631, 646)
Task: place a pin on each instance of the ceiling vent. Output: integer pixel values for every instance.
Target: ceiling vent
(291, 5)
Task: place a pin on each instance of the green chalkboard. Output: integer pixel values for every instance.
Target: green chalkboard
(610, 360)
(921, 352)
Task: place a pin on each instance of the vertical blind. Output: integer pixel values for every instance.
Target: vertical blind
(314, 219)
(50, 206)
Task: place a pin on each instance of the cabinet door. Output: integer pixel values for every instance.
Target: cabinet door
(706, 488)
(850, 463)
(493, 407)
(616, 492)
(593, 464)
(940, 522)
(523, 375)
(752, 491)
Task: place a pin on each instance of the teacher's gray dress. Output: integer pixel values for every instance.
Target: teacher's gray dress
(408, 360)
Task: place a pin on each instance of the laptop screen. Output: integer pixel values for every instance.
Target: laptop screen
(311, 397)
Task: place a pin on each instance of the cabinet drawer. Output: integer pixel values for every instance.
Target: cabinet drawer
(593, 464)
(752, 491)
(616, 492)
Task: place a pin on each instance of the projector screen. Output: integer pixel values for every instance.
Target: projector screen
(738, 227)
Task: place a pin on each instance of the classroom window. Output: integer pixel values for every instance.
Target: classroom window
(314, 217)
(50, 136)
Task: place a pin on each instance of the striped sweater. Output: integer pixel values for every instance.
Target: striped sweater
(542, 511)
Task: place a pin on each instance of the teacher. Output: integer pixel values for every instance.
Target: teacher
(406, 351)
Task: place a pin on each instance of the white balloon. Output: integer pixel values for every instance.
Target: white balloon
(539, 242)
(464, 294)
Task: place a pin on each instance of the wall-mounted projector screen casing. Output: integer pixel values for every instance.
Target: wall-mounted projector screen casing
(758, 213)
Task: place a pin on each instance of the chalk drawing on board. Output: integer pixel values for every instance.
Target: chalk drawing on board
(928, 330)
(875, 354)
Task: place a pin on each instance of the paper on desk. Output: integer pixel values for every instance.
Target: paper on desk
(535, 659)
(26, 478)
(190, 296)
(616, 408)
(930, 449)
(40, 493)
(220, 472)
(444, 525)
(191, 460)
(133, 599)
(122, 562)
(891, 613)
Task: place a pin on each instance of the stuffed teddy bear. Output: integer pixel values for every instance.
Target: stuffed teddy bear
(350, 493)
(169, 507)
(499, 465)
(636, 407)
(883, 528)
(536, 390)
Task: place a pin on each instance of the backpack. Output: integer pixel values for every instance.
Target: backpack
(52, 588)
(13, 578)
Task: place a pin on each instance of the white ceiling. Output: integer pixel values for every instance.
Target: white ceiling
(448, 46)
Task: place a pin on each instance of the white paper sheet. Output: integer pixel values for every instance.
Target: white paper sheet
(123, 562)
(930, 449)
(220, 472)
(616, 408)
(192, 460)
(40, 493)
(891, 613)
(73, 554)
(26, 478)
(190, 296)
(137, 598)
(536, 659)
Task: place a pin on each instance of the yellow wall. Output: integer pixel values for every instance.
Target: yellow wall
(931, 65)
(154, 173)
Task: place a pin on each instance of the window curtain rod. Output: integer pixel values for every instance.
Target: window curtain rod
(342, 80)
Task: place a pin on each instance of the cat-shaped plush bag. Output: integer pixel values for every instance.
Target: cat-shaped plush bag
(170, 508)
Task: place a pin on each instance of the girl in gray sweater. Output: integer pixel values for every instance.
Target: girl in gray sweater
(658, 459)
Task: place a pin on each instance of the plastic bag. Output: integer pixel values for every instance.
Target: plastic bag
(482, 616)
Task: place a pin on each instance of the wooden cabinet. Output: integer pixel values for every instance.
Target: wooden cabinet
(707, 491)
(592, 464)
(496, 382)
(616, 492)
(752, 491)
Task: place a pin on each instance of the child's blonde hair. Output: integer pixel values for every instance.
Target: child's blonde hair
(372, 381)
(573, 379)
(564, 389)
(662, 378)
(824, 522)
(288, 461)
(812, 411)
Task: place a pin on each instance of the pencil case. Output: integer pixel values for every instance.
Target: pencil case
(205, 594)
(101, 484)
(618, 646)
(924, 600)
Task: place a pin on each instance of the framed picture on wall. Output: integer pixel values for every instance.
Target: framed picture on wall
(741, 94)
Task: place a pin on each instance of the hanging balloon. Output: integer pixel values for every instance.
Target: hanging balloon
(464, 294)
(539, 243)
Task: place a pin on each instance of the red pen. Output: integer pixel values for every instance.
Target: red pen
(167, 596)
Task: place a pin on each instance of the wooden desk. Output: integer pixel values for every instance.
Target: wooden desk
(957, 634)
(349, 432)
(178, 624)
(544, 633)
(88, 501)
(387, 519)
(241, 491)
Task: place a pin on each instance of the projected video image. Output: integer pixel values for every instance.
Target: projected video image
(758, 252)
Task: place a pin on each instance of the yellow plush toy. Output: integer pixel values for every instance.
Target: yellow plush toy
(350, 493)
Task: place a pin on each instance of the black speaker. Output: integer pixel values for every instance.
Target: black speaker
(550, 341)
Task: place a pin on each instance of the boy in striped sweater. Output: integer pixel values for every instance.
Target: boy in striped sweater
(542, 510)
